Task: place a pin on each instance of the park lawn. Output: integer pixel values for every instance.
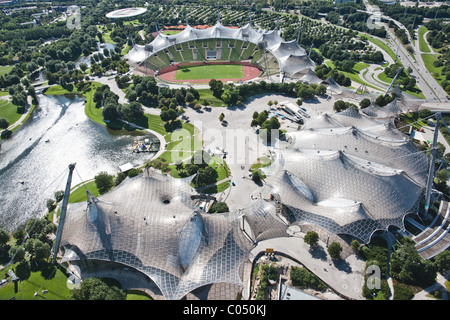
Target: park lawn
(78, 193)
(217, 188)
(380, 44)
(416, 92)
(5, 70)
(428, 59)
(422, 43)
(55, 283)
(125, 50)
(171, 32)
(354, 73)
(207, 95)
(210, 71)
(137, 295)
(182, 143)
(156, 124)
(9, 111)
(261, 163)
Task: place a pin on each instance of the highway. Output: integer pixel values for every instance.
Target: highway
(425, 81)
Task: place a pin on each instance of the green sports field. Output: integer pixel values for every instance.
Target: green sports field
(210, 71)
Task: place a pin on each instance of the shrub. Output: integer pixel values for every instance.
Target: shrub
(134, 172)
(303, 278)
(402, 292)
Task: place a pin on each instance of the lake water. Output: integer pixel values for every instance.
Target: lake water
(34, 161)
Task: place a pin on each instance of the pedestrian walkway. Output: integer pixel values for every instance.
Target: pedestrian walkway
(438, 285)
(345, 276)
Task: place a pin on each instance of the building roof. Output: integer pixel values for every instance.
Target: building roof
(290, 55)
(150, 223)
(351, 180)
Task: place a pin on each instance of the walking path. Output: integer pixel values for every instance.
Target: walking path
(345, 276)
(438, 285)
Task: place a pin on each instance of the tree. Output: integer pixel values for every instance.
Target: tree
(355, 245)
(110, 112)
(442, 261)
(97, 289)
(4, 123)
(221, 117)
(334, 250)
(104, 181)
(4, 237)
(218, 207)
(59, 195)
(17, 253)
(37, 249)
(408, 267)
(189, 97)
(83, 66)
(424, 113)
(132, 112)
(216, 87)
(51, 205)
(364, 103)
(311, 238)
(256, 176)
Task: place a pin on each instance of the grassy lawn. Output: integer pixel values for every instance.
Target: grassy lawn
(206, 95)
(182, 143)
(217, 188)
(137, 295)
(428, 59)
(171, 32)
(48, 278)
(416, 92)
(422, 43)
(261, 163)
(414, 119)
(78, 193)
(5, 69)
(9, 111)
(380, 44)
(217, 71)
(156, 124)
(125, 50)
(354, 73)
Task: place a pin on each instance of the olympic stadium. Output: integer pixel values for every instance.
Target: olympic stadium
(126, 13)
(265, 49)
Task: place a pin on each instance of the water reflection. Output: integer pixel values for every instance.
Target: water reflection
(34, 162)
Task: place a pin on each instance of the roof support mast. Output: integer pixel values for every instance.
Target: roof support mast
(63, 212)
(433, 152)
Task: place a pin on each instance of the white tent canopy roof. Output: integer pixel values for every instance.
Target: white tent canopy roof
(291, 56)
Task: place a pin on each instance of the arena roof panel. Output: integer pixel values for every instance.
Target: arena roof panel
(151, 224)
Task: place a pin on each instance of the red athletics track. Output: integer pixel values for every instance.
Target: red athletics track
(250, 72)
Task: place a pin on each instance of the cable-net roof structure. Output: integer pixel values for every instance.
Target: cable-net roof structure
(339, 193)
(264, 222)
(400, 155)
(150, 223)
(349, 173)
(291, 57)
